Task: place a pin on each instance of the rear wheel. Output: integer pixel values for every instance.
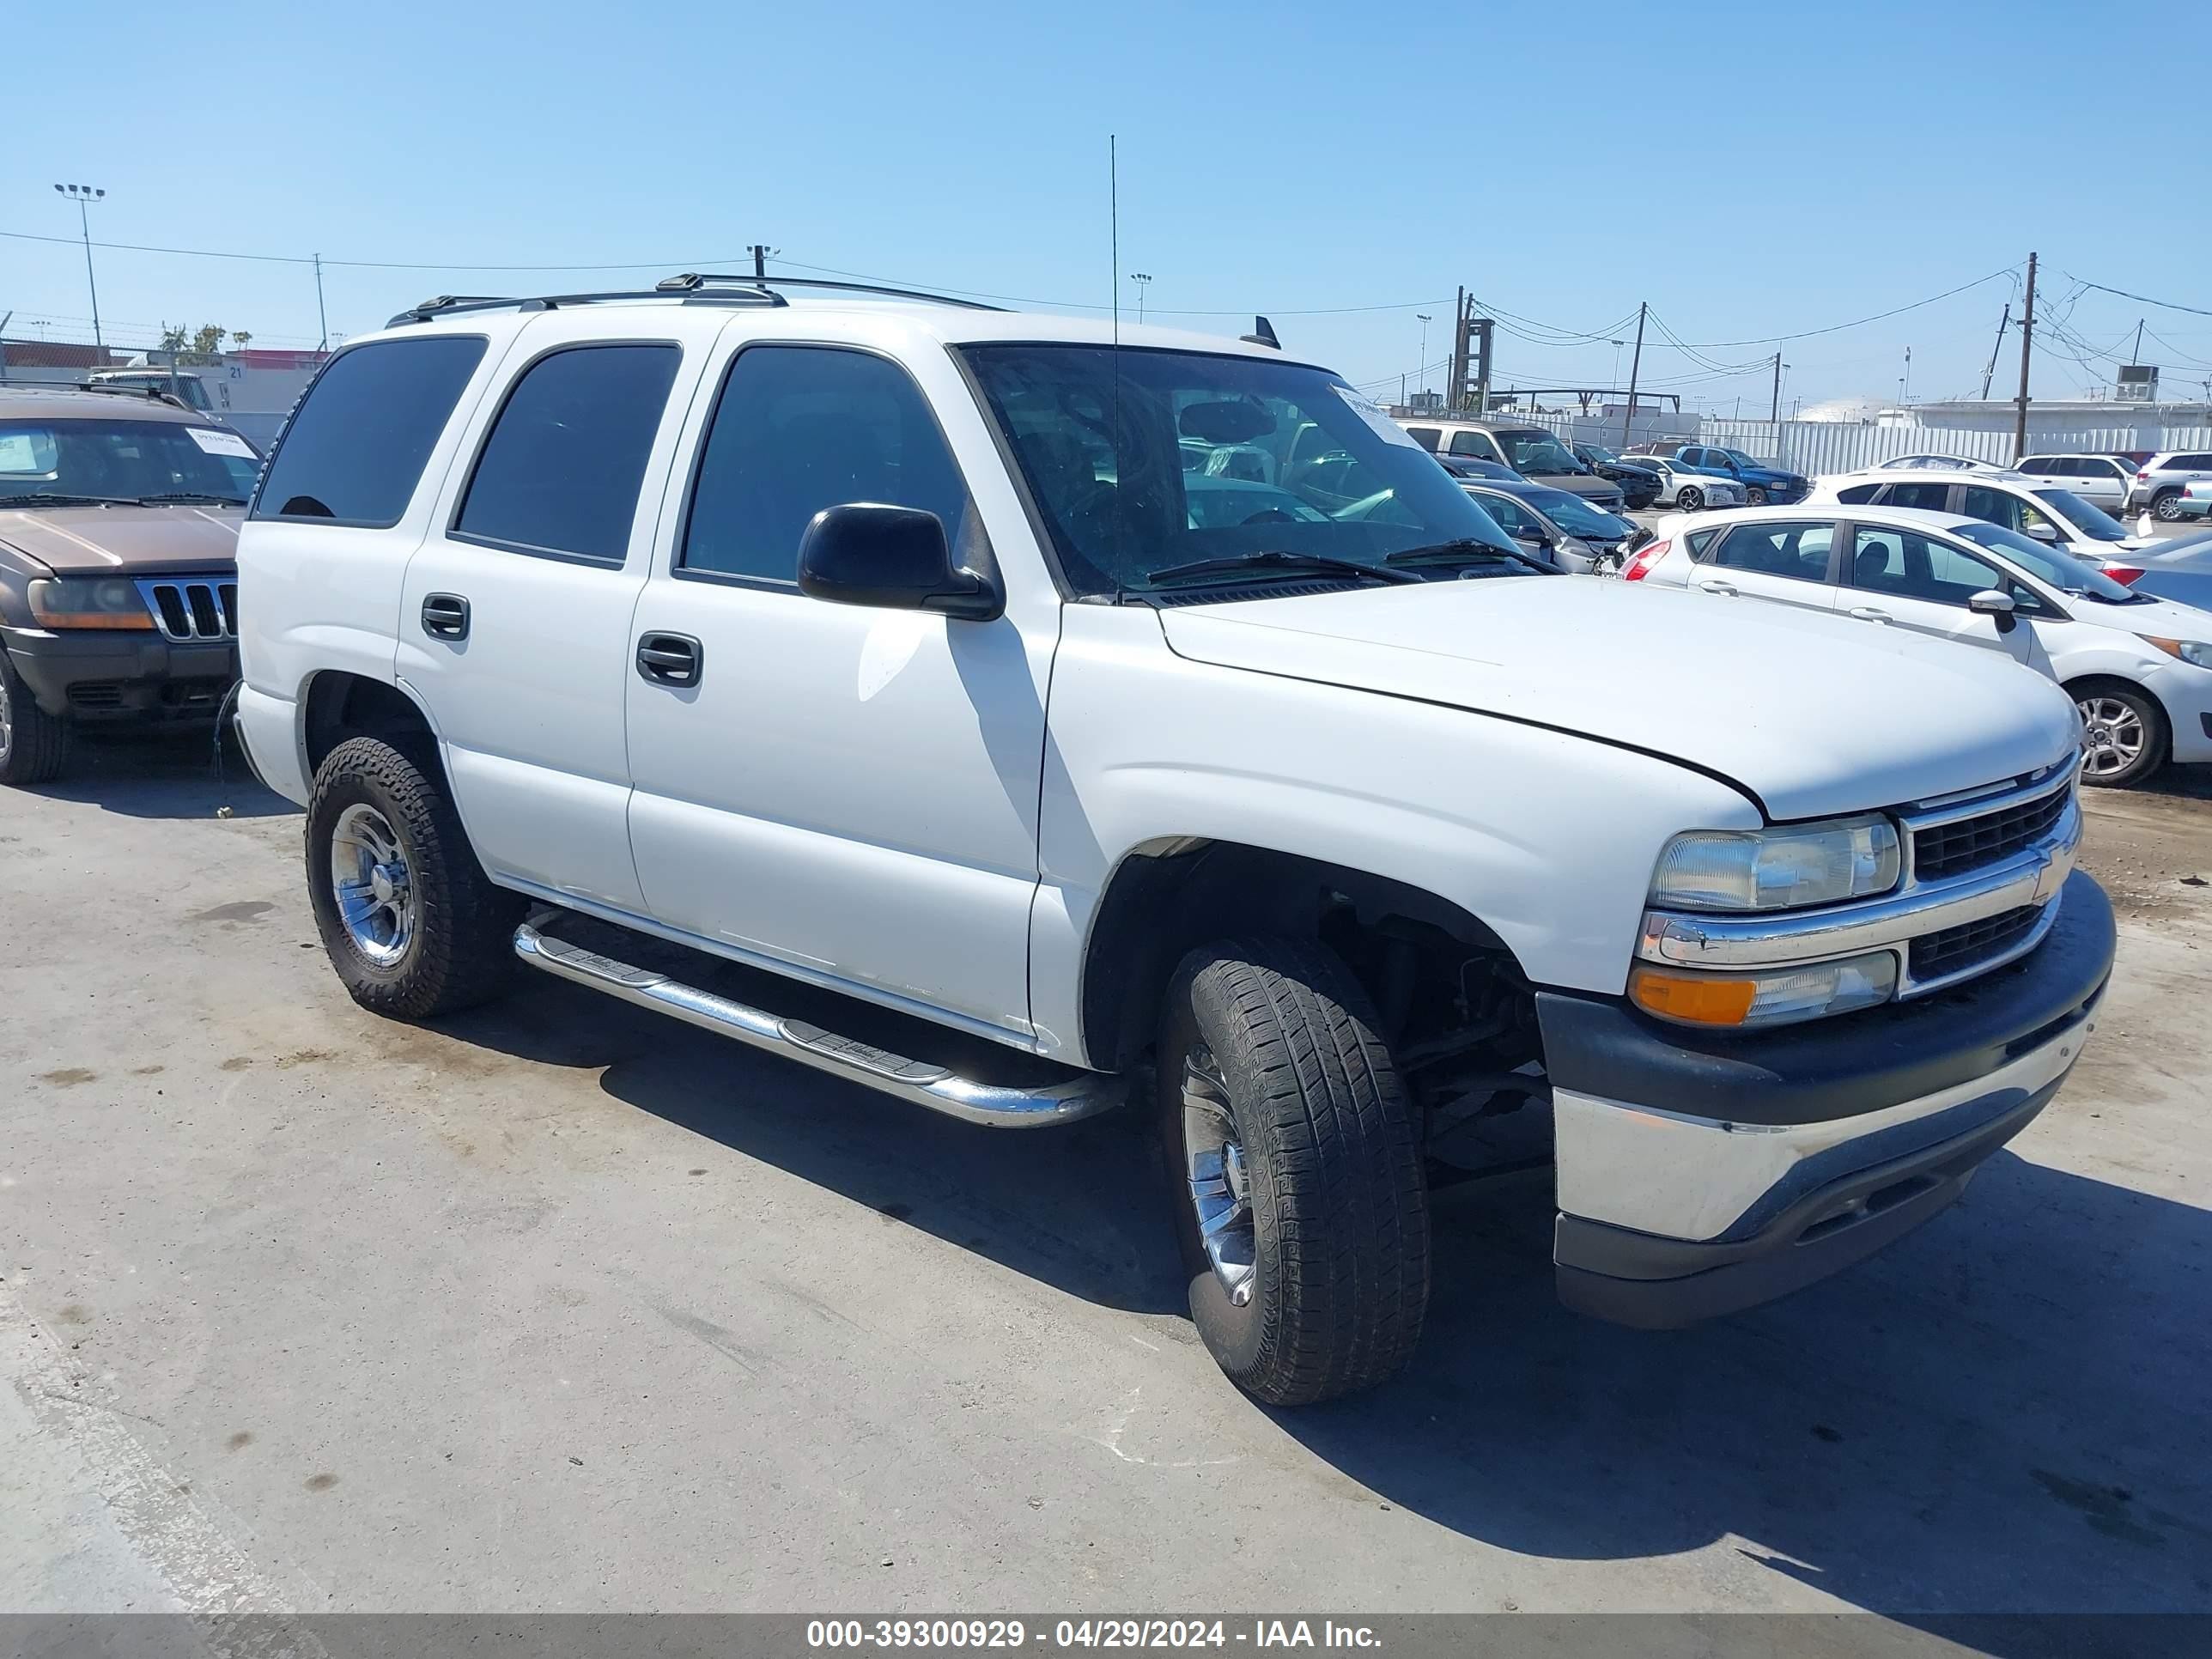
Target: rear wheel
(411, 923)
(1690, 499)
(2124, 733)
(33, 744)
(1302, 1211)
(2166, 506)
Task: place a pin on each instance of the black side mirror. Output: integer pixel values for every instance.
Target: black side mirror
(892, 557)
(1531, 535)
(1998, 606)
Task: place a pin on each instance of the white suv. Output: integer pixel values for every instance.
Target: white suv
(885, 646)
(2139, 668)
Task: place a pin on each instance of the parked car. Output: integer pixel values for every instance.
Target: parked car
(2161, 480)
(2139, 668)
(1464, 467)
(1639, 484)
(2102, 480)
(2195, 500)
(1935, 463)
(1532, 452)
(1761, 483)
(1691, 487)
(118, 523)
(1575, 536)
(632, 639)
(2044, 512)
(2177, 568)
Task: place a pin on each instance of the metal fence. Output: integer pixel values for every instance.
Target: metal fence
(1818, 447)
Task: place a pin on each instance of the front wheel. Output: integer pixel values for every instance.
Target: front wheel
(1754, 496)
(410, 920)
(1302, 1211)
(1690, 498)
(33, 744)
(2124, 734)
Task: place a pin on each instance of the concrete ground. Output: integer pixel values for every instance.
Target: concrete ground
(563, 1306)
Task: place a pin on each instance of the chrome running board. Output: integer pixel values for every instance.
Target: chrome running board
(1082, 1094)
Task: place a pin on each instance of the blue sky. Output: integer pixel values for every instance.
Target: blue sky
(1750, 171)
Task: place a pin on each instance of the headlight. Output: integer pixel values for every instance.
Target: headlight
(2194, 652)
(87, 602)
(1775, 997)
(1777, 869)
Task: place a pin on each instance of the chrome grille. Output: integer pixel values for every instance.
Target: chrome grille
(1964, 844)
(193, 608)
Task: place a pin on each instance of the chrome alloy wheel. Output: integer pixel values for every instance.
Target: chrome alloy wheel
(6, 717)
(1213, 1161)
(369, 875)
(2112, 737)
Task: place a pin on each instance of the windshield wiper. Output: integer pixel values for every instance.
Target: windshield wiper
(1464, 548)
(60, 498)
(191, 498)
(1272, 560)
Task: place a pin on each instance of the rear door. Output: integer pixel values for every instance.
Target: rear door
(514, 625)
(1783, 561)
(1900, 578)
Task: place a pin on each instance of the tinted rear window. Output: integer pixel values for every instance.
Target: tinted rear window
(560, 472)
(355, 450)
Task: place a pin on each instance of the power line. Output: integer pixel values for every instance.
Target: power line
(2140, 299)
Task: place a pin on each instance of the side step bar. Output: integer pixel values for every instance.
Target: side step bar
(1084, 1094)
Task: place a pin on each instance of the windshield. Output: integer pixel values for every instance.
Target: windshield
(124, 461)
(2062, 570)
(1533, 450)
(1162, 459)
(2086, 517)
(1576, 516)
(1738, 457)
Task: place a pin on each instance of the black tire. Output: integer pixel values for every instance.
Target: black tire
(1754, 496)
(2166, 507)
(2157, 734)
(1339, 1218)
(461, 951)
(1689, 498)
(33, 744)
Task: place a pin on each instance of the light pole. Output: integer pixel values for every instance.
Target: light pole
(84, 196)
(1143, 279)
(1423, 318)
(1617, 345)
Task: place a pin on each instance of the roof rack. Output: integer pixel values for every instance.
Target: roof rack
(159, 394)
(692, 281)
(692, 287)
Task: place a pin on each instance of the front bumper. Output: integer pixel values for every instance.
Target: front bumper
(125, 676)
(1701, 1174)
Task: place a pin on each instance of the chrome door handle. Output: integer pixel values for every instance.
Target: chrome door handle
(1868, 613)
(1727, 590)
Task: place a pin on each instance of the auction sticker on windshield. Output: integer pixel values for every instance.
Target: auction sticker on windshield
(1384, 427)
(221, 443)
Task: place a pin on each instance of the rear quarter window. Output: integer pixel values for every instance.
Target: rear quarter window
(354, 450)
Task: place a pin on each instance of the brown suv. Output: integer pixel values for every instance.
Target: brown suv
(118, 589)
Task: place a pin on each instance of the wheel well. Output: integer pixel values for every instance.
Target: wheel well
(1431, 967)
(342, 706)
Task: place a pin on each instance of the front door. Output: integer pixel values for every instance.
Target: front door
(514, 625)
(848, 794)
(1901, 578)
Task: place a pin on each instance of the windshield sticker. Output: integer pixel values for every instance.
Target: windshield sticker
(221, 443)
(28, 452)
(1384, 427)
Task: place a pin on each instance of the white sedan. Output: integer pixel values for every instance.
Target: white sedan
(2139, 668)
(1690, 488)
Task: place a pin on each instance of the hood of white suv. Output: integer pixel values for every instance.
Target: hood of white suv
(1811, 713)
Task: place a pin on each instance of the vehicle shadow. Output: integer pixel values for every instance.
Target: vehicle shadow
(1080, 1207)
(168, 774)
(2002, 1414)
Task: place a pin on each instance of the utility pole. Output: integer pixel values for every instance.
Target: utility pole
(1774, 414)
(760, 260)
(1635, 365)
(2004, 322)
(2138, 356)
(84, 196)
(1484, 328)
(1456, 377)
(321, 316)
(2027, 343)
